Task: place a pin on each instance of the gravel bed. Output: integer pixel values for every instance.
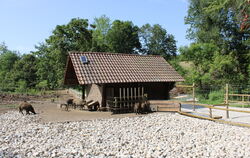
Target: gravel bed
(152, 135)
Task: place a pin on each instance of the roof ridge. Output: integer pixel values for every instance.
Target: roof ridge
(110, 53)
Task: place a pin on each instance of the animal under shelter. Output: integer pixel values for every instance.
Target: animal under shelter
(106, 76)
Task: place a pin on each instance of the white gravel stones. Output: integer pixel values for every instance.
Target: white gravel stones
(153, 135)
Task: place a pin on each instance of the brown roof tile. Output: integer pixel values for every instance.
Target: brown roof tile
(118, 68)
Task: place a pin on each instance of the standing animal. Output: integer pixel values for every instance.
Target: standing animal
(79, 103)
(138, 108)
(65, 105)
(145, 107)
(27, 107)
(70, 102)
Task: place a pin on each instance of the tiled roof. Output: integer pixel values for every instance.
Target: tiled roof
(121, 68)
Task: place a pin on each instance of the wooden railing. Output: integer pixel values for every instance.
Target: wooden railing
(215, 118)
(244, 98)
(125, 104)
(218, 108)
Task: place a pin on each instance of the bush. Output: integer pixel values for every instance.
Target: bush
(22, 86)
(214, 97)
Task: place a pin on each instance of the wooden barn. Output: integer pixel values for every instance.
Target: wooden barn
(104, 76)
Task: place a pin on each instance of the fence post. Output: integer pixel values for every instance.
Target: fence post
(179, 107)
(210, 112)
(193, 96)
(226, 101)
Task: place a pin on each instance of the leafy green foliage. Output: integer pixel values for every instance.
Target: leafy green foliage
(123, 37)
(221, 51)
(214, 97)
(7, 60)
(101, 27)
(25, 71)
(156, 41)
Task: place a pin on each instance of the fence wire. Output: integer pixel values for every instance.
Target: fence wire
(237, 94)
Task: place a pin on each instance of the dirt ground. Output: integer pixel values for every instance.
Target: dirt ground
(50, 112)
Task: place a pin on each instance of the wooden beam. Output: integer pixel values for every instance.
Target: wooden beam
(120, 96)
(184, 86)
(124, 96)
(227, 92)
(83, 92)
(128, 104)
(245, 95)
(216, 120)
(193, 96)
(225, 109)
(131, 89)
(139, 93)
(135, 93)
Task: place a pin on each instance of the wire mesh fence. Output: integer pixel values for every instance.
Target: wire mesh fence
(235, 95)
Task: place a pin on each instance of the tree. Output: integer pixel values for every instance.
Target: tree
(3, 48)
(217, 22)
(123, 37)
(156, 41)
(7, 60)
(24, 71)
(46, 67)
(74, 36)
(201, 57)
(241, 7)
(101, 27)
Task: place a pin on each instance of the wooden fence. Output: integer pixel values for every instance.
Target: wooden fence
(241, 98)
(218, 108)
(193, 92)
(216, 118)
(127, 98)
(228, 98)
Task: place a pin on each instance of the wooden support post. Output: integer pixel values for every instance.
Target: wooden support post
(131, 91)
(179, 107)
(128, 103)
(115, 102)
(210, 113)
(124, 97)
(120, 96)
(139, 95)
(243, 100)
(226, 100)
(83, 92)
(193, 96)
(135, 92)
(115, 105)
